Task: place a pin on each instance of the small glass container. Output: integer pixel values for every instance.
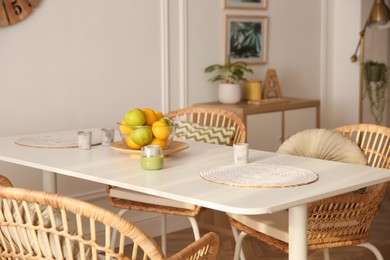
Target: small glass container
(84, 139)
(241, 151)
(108, 135)
(152, 157)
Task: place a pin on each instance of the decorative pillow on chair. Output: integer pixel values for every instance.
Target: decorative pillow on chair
(323, 144)
(206, 134)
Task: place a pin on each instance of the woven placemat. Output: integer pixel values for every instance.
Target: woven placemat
(259, 175)
(60, 140)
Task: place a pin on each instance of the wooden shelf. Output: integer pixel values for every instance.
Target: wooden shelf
(244, 108)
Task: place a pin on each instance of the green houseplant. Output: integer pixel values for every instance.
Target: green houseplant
(375, 75)
(230, 75)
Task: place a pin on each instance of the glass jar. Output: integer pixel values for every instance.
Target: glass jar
(152, 157)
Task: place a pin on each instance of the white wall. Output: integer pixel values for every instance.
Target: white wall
(341, 96)
(79, 63)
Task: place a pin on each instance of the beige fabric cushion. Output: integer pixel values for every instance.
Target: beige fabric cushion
(120, 193)
(323, 144)
(275, 224)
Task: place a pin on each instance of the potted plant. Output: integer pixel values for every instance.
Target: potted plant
(375, 75)
(230, 75)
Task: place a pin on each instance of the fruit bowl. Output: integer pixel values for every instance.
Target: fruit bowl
(136, 137)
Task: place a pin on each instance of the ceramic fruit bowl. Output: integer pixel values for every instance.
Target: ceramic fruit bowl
(135, 137)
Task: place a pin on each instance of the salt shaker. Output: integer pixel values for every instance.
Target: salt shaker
(241, 151)
(152, 157)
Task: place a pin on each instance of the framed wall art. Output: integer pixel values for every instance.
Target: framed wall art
(245, 4)
(246, 38)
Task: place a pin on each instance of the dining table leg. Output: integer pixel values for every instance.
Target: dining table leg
(297, 229)
(50, 181)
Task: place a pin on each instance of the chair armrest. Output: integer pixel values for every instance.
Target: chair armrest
(204, 248)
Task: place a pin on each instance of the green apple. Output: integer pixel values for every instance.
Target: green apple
(135, 117)
(141, 135)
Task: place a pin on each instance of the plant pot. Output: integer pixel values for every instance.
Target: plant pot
(229, 93)
(374, 73)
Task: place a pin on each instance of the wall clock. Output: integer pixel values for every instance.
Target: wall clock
(14, 11)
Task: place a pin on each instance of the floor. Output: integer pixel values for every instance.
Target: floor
(254, 249)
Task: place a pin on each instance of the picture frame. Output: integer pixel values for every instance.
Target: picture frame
(246, 39)
(246, 4)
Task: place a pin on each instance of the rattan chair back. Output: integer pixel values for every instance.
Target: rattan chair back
(374, 140)
(214, 117)
(40, 225)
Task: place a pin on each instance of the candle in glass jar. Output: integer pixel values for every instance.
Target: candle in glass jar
(152, 157)
(154, 162)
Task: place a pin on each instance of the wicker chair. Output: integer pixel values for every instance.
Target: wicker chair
(342, 220)
(212, 117)
(374, 140)
(38, 225)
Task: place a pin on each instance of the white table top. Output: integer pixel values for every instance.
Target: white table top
(180, 180)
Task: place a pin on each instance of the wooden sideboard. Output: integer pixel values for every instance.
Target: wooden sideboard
(271, 122)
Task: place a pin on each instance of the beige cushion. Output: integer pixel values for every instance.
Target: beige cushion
(323, 144)
(275, 224)
(146, 198)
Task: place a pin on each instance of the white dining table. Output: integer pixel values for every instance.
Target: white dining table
(180, 180)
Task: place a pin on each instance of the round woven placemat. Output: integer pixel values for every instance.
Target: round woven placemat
(259, 175)
(60, 140)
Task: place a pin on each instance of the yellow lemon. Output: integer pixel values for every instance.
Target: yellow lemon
(159, 115)
(124, 129)
(161, 130)
(159, 142)
(150, 116)
(132, 145)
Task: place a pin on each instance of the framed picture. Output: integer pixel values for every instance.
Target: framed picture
(246, 38)
(245, 4)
